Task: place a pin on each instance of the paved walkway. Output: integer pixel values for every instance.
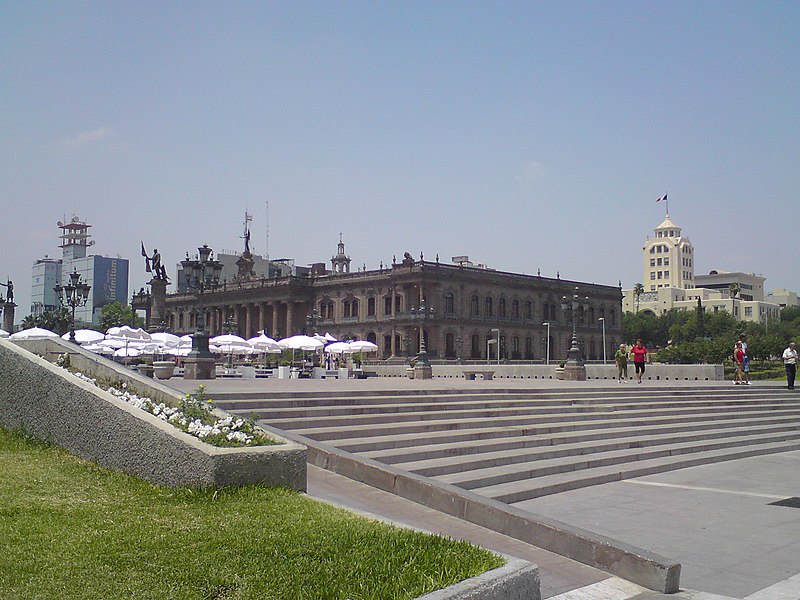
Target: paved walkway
(717, 520)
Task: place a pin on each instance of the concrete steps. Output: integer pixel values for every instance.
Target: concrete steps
(525, 443)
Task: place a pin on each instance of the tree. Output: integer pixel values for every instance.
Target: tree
(734, 289)
(117, 314)
(58, 320)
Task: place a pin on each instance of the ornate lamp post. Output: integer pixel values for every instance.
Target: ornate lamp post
(603, 321)
(422, 370)
(547, 343)
(574, 368)
(312, 321)
(202, 273)
(74, 294)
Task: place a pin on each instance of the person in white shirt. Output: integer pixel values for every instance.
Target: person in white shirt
(790, 360)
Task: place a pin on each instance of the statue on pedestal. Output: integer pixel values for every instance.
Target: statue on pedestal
(9, 291)
(153, 264)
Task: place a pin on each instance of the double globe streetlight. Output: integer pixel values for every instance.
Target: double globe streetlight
(574, 367)
(202, 274)
(73, 294)
(422, 369)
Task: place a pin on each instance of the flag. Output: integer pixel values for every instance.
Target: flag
(662, 199)
(147, 268)
(143, 251)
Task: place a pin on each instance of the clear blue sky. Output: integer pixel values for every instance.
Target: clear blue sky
(524, 134)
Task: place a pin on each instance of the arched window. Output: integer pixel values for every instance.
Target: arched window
(528, 348)
(529, 309)
(515, 354)
(371, 337)
(488, 306)
(475, 346)
(515, 309)
(371, 307)
(450, 345)
(553, 312)
(180, 321)
(387, 345)
(474, 307)
(354, 309)
(346, 309)
(387, 305)
(501, 308)
(591, 315)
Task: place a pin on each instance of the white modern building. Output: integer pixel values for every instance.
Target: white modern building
(670, 282)
(783, 298)
(107, 276)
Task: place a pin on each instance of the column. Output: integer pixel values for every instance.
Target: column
(275, 331)
(289, 318)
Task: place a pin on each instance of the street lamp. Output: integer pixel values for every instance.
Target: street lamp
(574, 367)
(74, 294)
(603, 321)
(202, 273)
(312, 321)
(496, 333)
(422, 370)
(547, 360)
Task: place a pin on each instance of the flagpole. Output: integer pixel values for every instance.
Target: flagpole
(666, 201)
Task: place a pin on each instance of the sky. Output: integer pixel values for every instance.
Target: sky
(526, 135)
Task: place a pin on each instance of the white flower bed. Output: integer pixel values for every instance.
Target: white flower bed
(230, 427)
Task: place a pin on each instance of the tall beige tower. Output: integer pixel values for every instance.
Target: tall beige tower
(668, 259)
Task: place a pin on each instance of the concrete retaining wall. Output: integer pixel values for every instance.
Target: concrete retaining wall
(654, 372)
(629, 562)
(49, 403)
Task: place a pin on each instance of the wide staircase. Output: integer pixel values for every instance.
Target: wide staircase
(515, 445)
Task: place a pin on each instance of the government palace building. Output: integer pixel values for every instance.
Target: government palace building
(467, 309)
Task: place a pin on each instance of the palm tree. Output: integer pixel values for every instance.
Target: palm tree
(638, 290)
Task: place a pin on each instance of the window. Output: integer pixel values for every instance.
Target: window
(474, 306)
(666, 261)
(475, 349)
(354, 309)
(387, 305)
(658, 263)
(652, 262)
(529, 310)
(346, 309)
(371, 307)
(652, 275)
(450, 345)
(387, 345)
(528, 348)
(515, 309)
(449, 304)
(501, 308)
(666, 274)
(488, 307)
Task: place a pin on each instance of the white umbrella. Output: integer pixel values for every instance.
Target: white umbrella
(338, 348)
(301, 342)
(167, 340)
(263, 343)
(113, 343)
(4, 333)
(228, 340)
(98, 349)
(330, 338)
(85, 336)
(128, 333)
(33, 332)
(127, 352)
(362, 346)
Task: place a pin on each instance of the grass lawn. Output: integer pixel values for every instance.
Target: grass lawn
(70, 529)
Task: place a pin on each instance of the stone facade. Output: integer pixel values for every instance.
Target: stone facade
(381, 306)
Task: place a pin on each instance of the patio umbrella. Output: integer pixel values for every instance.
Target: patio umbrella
(128, 352)
(263, 343)
(33, 332)
(98, 349)
(362, 346)
(167, 340)
(127, 333)
(338, 348)
(85, 336)
(301, 342)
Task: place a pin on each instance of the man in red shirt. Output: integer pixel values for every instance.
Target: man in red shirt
(639, 353)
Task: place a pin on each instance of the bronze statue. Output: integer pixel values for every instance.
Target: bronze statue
(10, 292)
(153, 264)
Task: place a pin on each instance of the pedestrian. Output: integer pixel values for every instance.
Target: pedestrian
(621, 360)
(745, 360)
(738, 360)
(639, 352)
(790, 361)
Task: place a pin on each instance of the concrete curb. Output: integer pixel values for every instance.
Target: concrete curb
(516, 580)
(648, 569)
(48, 403)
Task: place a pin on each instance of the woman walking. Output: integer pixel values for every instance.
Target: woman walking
(621, 360)
(639, 352)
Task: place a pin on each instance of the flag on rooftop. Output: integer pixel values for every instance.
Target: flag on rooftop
(662, 199)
